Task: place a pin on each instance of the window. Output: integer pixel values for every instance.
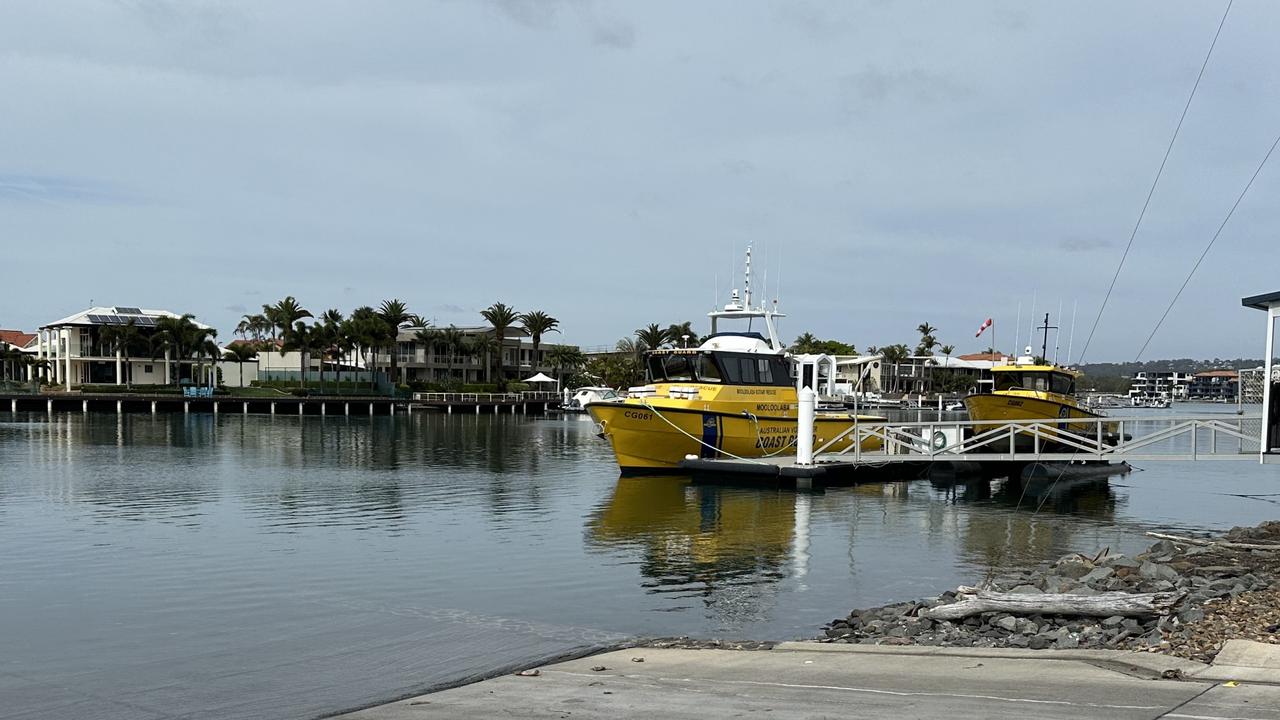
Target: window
(678, 368)
(706, 369)
(1062, 384)
(656, 373)
(1007, 381)
(146, 369)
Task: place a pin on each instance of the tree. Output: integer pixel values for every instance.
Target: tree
(331, 341)
(300, 339)
(631, 347)
(565, 356)
(652, 337)
(808, 344)
(430, 340)
(893, 356)
(241, 353)
(126, 340)
(365, 331)
(396, 315)
(180, 337)
(285, 314)
(484, 346)
(452, 340)
(537, 324)
(927, 341)
(501, 317)
(678, 331)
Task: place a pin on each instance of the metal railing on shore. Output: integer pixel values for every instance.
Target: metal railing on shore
(472, 398)
(1104, 438)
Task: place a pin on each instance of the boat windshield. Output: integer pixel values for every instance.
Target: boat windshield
(745, 369)
(1059, 383)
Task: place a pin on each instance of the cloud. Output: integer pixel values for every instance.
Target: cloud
(1083, 244)
(451, 308)
(236, 309)
(50, 189)
(213, 22)
(615, 34)
(871, 84)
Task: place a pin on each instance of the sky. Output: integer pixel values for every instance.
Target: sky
(891, 163)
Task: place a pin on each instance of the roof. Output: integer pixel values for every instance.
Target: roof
(17, 338)
(1262, 302)
(989, 357)
(117, 316)
(1035, 368)
(1218, 373)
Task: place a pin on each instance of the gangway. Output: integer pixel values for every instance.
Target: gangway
(1147, 437)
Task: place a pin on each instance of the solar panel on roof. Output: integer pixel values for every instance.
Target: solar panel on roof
(145, 321)
(128, 311)
(96, 319)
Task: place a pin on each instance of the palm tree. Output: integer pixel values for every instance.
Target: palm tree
(679, 331)
(501, 316)
(288, 312)
(925, 328)
(180, 337)
(301, 339)
(366, 331)
(565, 356)
(430, 340)
(396, 315)
(630, 347)
(125, 339)
(804, 344)
(537, 324)
(241, 353)
(652, 337)
(484, 346)
(207, 347)
(895, 355)
(452, 339)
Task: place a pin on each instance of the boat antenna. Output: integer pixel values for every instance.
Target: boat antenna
(1044, 347)
(1017, 330)
(746, 286)
(1031, 333)
(1071, 339)
(1057, 337)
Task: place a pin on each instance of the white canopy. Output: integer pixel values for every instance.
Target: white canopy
(540, 378)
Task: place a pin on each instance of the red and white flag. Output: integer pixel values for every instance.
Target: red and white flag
(982, 329)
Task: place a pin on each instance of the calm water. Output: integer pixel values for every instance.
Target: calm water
(291, 567)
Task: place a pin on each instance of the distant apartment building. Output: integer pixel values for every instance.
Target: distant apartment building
(74, 351)
(1214, 386)
(1160, 384)
(435, 362)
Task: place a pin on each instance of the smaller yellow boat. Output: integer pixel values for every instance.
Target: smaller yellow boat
(1031, 390)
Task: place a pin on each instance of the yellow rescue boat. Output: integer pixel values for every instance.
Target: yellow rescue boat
(734, 396)
(1031, 390)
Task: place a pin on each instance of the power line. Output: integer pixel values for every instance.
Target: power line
(1207, 247)
(1155, 182)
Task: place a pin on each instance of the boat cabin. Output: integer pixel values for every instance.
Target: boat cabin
(729, 368)
(1034, 378)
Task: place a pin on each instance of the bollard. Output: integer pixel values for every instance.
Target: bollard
(370, 408)
(273, 408)
(244, 408)
(215, 407)
(153, 407)
(84, 406)
(804, 429)
(119, 407)
(323, 409)
(50, 407)
(186, 406)
(346, 408)
(300, 408)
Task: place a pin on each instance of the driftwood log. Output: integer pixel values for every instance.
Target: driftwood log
(1202, 542)
(1101, 605)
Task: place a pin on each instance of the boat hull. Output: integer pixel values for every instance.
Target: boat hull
(999, 409)
(649, 438)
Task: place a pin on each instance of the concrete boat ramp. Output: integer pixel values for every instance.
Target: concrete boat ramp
(812, 680)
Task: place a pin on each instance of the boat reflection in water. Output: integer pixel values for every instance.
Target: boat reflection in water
(740, 549)
(726, 545)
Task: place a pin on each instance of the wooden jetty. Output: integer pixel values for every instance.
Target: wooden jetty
(342, 405)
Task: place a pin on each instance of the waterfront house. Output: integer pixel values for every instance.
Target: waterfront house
(75, 351)
(22, 342)
(417, 361)
(1159, 384)
(1214, 386)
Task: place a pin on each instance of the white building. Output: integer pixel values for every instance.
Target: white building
(74, 351)
(1160, 384)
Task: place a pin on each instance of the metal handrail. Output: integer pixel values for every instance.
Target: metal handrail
(1104, 438)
